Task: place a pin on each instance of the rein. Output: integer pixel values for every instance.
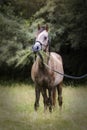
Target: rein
(65, 75)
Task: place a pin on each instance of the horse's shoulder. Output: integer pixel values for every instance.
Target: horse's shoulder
(55, 55)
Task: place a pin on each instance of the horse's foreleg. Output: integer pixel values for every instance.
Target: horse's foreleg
(44, 94)
(59, 89)
(37, 96)
(50, 99)
(54, 96)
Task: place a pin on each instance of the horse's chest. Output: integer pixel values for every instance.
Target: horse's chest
(42, 78)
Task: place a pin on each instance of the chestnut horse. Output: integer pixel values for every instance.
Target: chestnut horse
(46, 80)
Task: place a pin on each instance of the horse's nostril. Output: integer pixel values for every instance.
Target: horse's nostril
(37, 47)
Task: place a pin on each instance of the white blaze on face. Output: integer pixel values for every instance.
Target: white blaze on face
(43, 38)
(41, 41)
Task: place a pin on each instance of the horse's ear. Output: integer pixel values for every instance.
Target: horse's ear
(38, 26)
(47, 27)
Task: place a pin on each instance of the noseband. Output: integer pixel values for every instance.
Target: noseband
(42, 45)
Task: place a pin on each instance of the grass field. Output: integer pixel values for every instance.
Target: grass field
(17, 113)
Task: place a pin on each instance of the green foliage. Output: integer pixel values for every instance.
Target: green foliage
(21, 58)
(14, 35)
(24, 8)
(67, 21)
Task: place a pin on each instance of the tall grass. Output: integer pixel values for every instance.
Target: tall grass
(17, 112)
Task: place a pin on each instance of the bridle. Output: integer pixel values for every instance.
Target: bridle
(43, 45)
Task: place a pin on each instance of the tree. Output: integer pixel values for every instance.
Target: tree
(67, 21)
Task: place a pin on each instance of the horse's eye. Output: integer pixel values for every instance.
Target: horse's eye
(45, 38)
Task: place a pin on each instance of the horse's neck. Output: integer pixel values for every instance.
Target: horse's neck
(47, 49)
(41, 62)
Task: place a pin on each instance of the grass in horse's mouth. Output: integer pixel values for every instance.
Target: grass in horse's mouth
(23, 57)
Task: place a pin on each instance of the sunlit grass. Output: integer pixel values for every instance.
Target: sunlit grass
(17, 112)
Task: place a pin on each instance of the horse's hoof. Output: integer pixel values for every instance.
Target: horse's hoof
(36, 106)
(60, 101)
(50, 109)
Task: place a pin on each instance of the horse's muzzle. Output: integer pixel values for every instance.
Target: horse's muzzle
(36, 47)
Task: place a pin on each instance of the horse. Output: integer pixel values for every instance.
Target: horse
(46, 80)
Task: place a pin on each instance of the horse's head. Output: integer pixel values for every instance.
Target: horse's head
(41, 42)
